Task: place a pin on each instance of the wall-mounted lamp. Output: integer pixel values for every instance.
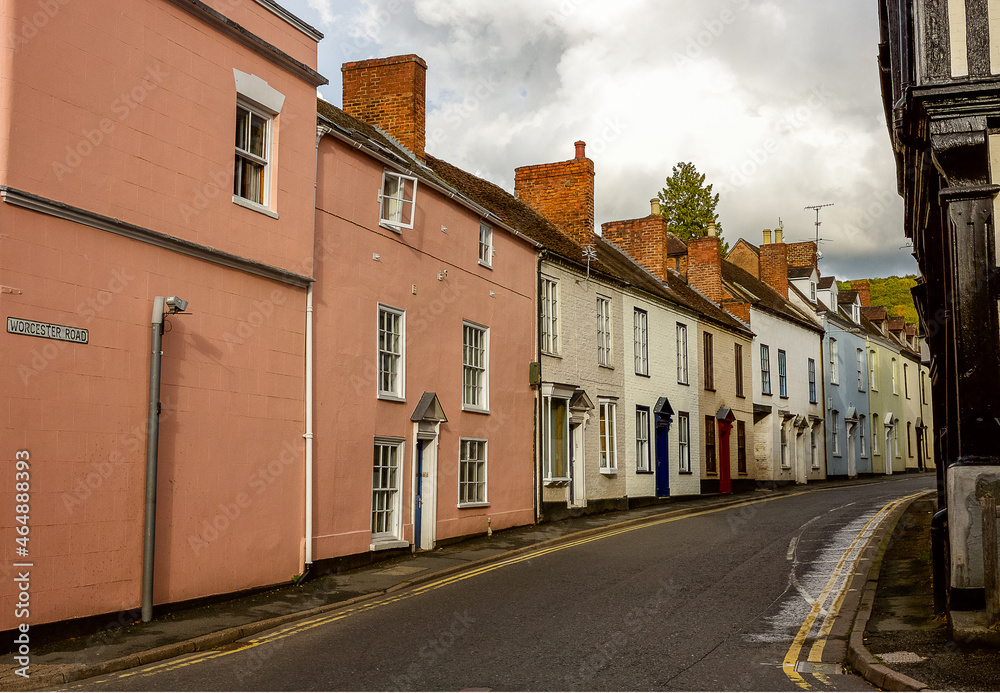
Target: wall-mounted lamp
(442, 274)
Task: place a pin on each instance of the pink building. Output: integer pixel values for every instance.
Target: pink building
(425, 331)
(117, 161)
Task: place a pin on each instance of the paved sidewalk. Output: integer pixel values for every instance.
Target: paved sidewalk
(903, 631)
(118, 647)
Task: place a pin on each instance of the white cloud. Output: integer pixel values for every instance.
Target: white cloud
(777, 101)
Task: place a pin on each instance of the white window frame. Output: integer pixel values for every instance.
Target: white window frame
(263, 204)
(861, 436)
(894, 377)
(683, 443)
(397, 393)
(861, 370)
(812, 291)
(834, 363)
(548, 440)
(471, 385)
(782, 374)
(812, 381)
(393, 202)
(550, 316)
(906, 380)
(640, 341)
(608, 434)
(682, 354)
(392, 492)
(643, 458)
(835, 431)
(813, 447)
(604, 356)
(875, 434)
(486, 250)
(765, 369)
(478, 480)
(786, 462)
(873, 370)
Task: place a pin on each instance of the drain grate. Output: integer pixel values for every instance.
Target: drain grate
(818, 668)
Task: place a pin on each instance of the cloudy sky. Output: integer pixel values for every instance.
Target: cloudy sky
(776, 101)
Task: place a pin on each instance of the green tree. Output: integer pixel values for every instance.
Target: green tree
(688, 204)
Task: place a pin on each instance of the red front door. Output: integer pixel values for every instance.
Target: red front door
(725, 483)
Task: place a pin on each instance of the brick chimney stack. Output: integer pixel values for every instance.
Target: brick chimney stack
(645, 240)
(802, 255)
(562, 192)
(774, 266)
(704, 270)
(389, 93)
(864, 290)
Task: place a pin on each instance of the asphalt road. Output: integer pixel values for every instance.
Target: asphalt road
(718, 600)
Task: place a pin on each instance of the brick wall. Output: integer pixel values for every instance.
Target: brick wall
(563, 192)
(774, 267)
(390, 94)
(705, 266)
(745, 258)
(644, 239)
(802, 254)
(864, 290)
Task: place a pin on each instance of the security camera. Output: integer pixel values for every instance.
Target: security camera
(176, 305)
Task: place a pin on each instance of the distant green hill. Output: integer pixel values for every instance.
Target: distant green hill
(894, 294)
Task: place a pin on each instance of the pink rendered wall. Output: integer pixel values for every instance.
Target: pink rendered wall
(350, 284)
(232, 385)
(229, 512)
(128, 109)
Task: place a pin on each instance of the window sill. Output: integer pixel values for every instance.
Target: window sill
(386, 397)
(555, 483)
(474, 410)
(709, 389)
(608, 471)
(473, 505)
(604, 365)
(644, 471)
(687, 384)
(395, 229)
(687, 473)
(833, 383)
(551, 355)
(741, 396)
(487, 266)
(643, 375)
(253, 206)
(711, 474)
(386, 544)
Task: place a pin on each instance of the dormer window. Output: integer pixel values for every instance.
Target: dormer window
(397, 200)
(856, 313)
(812, 291)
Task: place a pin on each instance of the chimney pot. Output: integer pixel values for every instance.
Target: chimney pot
(711, 229)
(581, 147)
(767, 236)
(655, 206)
(777, 236)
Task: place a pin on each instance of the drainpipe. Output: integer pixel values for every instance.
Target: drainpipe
(308, 435)
(152, 441)
(307, 569)
(539, 404)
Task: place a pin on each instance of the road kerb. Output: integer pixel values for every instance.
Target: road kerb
(860, 659)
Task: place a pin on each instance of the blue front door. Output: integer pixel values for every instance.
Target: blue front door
(418, 499)
(662, 456)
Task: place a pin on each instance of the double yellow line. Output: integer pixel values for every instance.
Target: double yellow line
(842, 569)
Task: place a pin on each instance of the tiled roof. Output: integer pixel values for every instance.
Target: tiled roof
(846, 296)
(611, 263)
(763, 296)
(875, 313)
(826, 282)
(799, 272)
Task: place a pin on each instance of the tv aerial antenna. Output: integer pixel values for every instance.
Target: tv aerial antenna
(818, 223)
